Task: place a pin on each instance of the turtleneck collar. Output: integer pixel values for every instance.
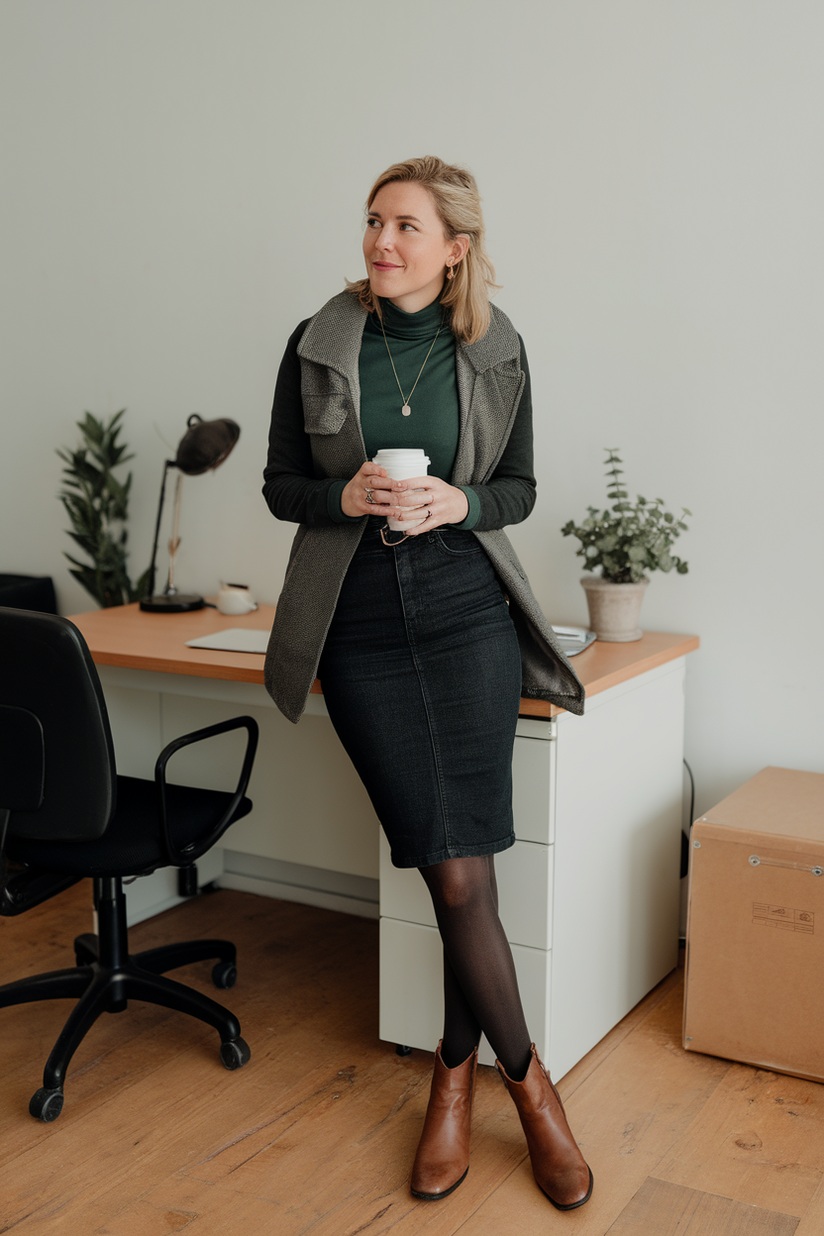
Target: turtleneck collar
(401, 325)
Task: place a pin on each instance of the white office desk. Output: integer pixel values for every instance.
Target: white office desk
(589, 893)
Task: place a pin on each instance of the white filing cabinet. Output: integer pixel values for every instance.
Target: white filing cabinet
(589, 893)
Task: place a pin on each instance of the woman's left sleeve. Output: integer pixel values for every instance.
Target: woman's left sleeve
(509, 495)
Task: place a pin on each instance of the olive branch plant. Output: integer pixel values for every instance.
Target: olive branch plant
(97, 503)
(629, 539)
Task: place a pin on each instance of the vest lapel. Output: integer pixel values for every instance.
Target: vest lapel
(330, 385)
(490, 384)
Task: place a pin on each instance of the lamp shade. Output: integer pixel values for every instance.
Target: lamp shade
(205, 444)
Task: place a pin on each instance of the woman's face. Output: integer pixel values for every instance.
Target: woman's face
(405, 248)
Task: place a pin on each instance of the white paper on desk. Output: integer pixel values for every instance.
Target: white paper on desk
(574, 639)
(233, 639)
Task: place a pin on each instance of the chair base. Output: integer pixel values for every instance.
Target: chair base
(106, 977)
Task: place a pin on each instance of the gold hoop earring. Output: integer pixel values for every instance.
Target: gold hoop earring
(450, 274)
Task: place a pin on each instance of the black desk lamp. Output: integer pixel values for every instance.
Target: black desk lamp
(204, 446)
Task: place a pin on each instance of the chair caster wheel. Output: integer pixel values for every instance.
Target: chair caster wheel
(234, 1054)
(224, 974)
(46, 1105)
(401, 1050)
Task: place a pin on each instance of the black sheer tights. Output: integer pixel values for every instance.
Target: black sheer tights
(480, 985)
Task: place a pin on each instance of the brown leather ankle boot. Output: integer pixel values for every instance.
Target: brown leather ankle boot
(442, 1160)
(557, 1162)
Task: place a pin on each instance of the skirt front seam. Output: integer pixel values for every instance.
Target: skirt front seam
(432, 734)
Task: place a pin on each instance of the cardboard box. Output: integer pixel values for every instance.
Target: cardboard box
(755, 929)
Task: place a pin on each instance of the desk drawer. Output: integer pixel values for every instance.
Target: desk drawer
(533, 789)
(411, 988)
(524, 875)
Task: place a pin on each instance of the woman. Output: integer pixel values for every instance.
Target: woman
(425, 639)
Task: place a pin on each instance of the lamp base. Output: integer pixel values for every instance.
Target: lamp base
(175, 603)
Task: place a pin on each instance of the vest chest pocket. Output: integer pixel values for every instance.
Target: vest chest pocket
(325, 414)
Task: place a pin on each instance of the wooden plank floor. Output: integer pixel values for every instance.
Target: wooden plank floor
(317, 1133)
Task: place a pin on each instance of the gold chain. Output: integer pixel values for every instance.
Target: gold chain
(406, 410)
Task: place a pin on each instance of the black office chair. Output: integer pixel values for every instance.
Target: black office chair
(65, 814)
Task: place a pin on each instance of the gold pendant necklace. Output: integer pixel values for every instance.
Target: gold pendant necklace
(406, 410)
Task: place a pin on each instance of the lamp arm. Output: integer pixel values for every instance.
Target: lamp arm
(150, 587)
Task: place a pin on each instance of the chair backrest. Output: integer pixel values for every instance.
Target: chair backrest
(57, 769)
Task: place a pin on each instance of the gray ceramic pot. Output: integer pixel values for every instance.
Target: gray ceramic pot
(614, 609)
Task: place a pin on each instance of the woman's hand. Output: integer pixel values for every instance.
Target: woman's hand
(428, 498)
(368, 492)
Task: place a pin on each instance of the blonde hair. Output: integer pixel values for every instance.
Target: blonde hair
(458, 203)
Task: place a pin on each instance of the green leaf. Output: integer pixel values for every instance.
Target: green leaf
(630, 537)
(96, 502)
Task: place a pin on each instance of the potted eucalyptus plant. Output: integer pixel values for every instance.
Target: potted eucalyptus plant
(626, 541)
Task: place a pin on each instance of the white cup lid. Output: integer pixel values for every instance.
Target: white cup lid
(401, 453)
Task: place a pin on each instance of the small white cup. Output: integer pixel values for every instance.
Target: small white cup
(401, 463)
(235, 599)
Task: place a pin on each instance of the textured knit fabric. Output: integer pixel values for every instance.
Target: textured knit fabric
(316, 437)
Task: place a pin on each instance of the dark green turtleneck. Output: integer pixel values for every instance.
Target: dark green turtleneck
(434, 423)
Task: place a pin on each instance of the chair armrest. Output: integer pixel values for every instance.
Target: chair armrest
(181, 857)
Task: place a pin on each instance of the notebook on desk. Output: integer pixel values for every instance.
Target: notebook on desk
(233, 639)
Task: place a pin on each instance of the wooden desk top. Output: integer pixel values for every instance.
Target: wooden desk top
(125, 636)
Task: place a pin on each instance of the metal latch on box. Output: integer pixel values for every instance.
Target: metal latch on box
(755, 861)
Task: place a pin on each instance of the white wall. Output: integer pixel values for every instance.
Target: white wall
(182, 183)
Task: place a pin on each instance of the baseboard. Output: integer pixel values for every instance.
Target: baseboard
(310, 886)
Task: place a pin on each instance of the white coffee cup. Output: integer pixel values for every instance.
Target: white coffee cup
(235, 599)
(402, 463)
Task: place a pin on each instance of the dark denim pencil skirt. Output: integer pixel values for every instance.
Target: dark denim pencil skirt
(421, 674)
